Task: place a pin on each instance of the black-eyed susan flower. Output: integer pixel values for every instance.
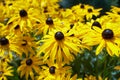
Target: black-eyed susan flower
(24, 16)
(26, 44)
(28, 66)
(92, 12)
(53, 71)
(79, 11)
(5, 70)
(45, 25)
(8, 43)
(49, 7)
(58, 45)
(48, 24)
(105, 36)
(114, 15)
(87, 11)
(115, 9)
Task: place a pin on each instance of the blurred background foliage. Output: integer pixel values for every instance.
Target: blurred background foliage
(105, 4)
(102, 65)
(88, 63)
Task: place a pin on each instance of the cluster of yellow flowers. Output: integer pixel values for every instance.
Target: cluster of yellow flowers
(46, 37)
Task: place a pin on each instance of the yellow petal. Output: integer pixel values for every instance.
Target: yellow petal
(100, 47)
(117, 67)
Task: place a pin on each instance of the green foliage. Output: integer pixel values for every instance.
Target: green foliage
(105, 4)
(101, 65)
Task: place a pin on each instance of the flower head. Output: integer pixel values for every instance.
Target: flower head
(53, 71)
(106, 36)
(58, 45)
(28, 65)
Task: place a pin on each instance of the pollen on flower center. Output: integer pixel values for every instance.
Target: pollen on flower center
(4, 41)
(90, 10)
(49, 21)
(29, 62)
(107, 34)
(23, 13)
(96, 23)
(59, 35)
(52, 70)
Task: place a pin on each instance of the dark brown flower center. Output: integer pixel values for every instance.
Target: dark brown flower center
(71, 26)
(10, 4)
(29, 62)
(90, 10)
(107, 34)
(17, 27)
(45, 10)
(4, 41)
(82, 6)
(23, 13)
(119, 13)
(52, 70)
(59, 35)
(49, 21)
(96, 23)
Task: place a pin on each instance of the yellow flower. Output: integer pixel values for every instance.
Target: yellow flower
(24, 16)
(115, 9)
(8, 43)
(113, 17)
(79, 11)
(79, 30)
(47, 24)
(26, 44)
(114, 14)
(48, 7)
(5, 70)
(58, 45)
(83, 10)
(53, 71)
(106, 35)
(28, 66)
(90, 12)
